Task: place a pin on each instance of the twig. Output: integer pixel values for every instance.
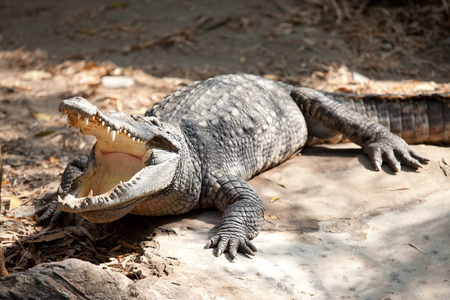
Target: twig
(417, 248)
(282, 6)
(3, 271)
(368, 232)
(345, 9)
(362, 6)
(338, 12)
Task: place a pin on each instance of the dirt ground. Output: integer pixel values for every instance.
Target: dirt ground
(52, 50)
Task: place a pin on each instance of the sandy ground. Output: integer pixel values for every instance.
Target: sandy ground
(335, 228)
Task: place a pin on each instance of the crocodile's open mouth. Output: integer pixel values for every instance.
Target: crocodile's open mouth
(118, 157)
(127, 163)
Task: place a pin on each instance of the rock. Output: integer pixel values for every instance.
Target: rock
(1, 172)
(387, 47)
(359, 78)
(117, 82)
(36, 75)
(76, 279)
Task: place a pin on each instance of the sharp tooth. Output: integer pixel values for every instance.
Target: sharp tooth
(108, 129)
(93, 117)
(78, 116)
(86, 121)
(91, 194)
(125, 131)
(60, 190)
(138, 140)
(60, 200)
(113, 135)
(121, 182)
(129, 134)
(103, 123)
(133, 138)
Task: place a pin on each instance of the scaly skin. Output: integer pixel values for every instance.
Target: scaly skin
(197, 147)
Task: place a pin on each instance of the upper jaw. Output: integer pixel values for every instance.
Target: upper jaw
(86, 116)
(133, 157)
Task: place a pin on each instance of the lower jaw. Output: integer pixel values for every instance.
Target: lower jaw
(105, 214)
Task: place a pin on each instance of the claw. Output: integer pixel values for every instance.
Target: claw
(377, 166)
(233, 254)
(212, 242)
(248, 248)
(208, 245)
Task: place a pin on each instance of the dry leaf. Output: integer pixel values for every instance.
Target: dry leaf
(53, 159)
(41, 116)
(117, 4)
(50, 237)
(14, 202)
(275, 199)
(46, 133)
(129, 246)
(86, 31)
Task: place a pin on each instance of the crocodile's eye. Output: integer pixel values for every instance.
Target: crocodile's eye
(160, 142)
(153, 120)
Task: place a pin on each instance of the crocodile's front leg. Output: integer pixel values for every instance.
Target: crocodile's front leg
(378, 142)
(73, 170)
(243, 215)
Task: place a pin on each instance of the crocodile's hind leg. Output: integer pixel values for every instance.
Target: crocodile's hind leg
(377, 142)
(243, 215)
(73, 170)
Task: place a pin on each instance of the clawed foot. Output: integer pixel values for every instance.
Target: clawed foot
(232, 244)
(50, 213)
(395, 151)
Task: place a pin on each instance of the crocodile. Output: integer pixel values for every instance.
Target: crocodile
(198, 146)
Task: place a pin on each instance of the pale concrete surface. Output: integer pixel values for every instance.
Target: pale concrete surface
(339, 230)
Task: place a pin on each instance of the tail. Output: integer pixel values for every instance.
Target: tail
(415, 118)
